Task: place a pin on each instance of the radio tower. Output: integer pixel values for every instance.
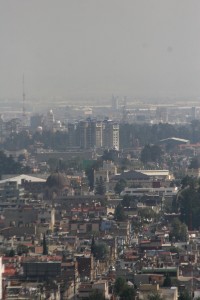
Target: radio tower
(23, 105)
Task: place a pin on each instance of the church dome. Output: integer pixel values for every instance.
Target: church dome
(56, 180)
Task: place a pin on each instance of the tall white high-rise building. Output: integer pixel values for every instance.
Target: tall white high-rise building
(50, 120)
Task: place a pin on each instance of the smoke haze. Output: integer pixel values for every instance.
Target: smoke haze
(93, 47)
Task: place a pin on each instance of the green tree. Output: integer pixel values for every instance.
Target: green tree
(146, 154)
(156, 153)
(188, 181)
(189, 205)
(120, 186)
(120, 285)
(195, 163)
(93, 245)
(44, 245)
(89, 171)
(100, 251)
(184, 295)
(9, 166)
(147, 213)
(128, 293)
(151, 154)
(100, 187)
(167, 281)
(136, 225)
(119, 213)
(122, 289)
(126, 201)
(22, 249)
(53, 163)
(155, 296)
(111, 155)
(96, 295)
(179, 231)
(10, 253)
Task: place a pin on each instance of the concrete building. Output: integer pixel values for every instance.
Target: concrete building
(90, 133)
(98, 135)
(72, 134)
(50, 120)
(86, 266)
(152, 289)
(193, 172)
(86, 289)
(109, 169)
(41, 269)
(11, 192)
(110, 134)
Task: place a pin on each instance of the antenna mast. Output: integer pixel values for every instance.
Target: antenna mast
(23, 105)
(23, 97)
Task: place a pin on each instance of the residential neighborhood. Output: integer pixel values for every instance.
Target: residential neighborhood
(123, 224)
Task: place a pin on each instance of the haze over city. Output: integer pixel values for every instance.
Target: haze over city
(99, 150)
(93, 48)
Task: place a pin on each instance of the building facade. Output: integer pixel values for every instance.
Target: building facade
(90, 133)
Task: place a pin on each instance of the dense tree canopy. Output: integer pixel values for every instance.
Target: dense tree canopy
(130, 135)
(151, 154)
(120, 284)
(188, 203)
(100, 187)
(142, 134)
(22, 249)
(167, 281)
(111, 155)
(100, 250)
(179, 231)
(119, 213)
(89, 171)
(120, 186)
(154, 296)
(123, 290)
(195, 163)
(185, 295)
(10, 166)
(44, 246)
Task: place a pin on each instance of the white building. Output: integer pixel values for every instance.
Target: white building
(160, 191)
(50, 120)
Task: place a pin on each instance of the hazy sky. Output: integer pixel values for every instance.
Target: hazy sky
(95, 47)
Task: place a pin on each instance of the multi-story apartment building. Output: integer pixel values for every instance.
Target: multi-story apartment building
(50, 120)
(110, 134)
(72, 128)
(94, 134)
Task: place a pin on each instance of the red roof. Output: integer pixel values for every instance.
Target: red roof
(9, 272)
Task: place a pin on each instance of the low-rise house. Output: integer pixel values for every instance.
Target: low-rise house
(150, 244)
(165, 293)
(86, 289)
(83, 227)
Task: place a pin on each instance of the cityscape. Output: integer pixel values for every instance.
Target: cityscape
(109, 206)
(99, 150)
